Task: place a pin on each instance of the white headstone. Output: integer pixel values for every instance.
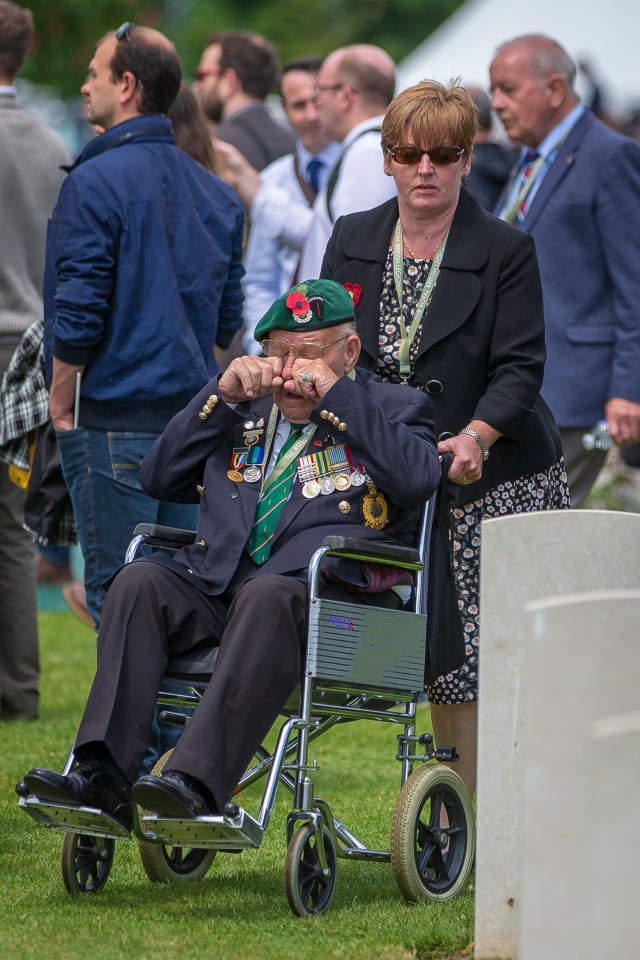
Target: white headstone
(579, 861)
(526, 557)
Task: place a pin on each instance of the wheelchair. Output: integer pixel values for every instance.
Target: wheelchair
(362, 662)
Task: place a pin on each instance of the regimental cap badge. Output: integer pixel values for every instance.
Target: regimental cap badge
(314, 305)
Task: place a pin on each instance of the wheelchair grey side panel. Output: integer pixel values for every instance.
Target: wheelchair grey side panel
(368, 646)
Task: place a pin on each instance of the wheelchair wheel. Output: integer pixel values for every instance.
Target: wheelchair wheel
(309, 890)
(165, 864)
(432, 835)
(86, 862)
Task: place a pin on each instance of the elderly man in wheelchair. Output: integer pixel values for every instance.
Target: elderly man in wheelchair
(282, 451)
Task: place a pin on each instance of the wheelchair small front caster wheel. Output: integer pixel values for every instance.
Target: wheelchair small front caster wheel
(86, 862)
(432, 835)
(309, 887)
(166, 864)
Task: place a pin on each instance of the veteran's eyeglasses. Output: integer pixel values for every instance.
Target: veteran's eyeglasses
(124, 33)
(442, 156)
(303, 349)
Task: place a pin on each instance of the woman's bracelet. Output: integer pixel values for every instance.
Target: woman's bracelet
(484, 449)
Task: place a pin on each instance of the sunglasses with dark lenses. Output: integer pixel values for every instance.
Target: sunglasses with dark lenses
(442, 156)
(124, 33)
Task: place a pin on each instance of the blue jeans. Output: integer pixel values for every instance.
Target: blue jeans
(102, 471)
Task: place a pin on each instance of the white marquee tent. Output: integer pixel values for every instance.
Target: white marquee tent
(604, 34)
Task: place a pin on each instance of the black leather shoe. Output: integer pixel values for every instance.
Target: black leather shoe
(172, 795)
(89, 784)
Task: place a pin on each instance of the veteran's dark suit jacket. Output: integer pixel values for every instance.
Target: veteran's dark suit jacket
(481, 351)
(387, 429)
(585, 220)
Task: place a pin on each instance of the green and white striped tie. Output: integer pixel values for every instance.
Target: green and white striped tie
(271, 501)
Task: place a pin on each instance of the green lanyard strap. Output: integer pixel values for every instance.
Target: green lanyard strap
(407, 335)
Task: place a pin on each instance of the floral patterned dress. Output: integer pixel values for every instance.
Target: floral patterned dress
(546, 490)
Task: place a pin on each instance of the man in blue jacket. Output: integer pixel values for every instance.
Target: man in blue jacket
(142, 285)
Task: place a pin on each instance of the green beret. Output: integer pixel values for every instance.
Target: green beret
(312, 305)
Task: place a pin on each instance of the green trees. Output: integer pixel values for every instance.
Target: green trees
(67, 30)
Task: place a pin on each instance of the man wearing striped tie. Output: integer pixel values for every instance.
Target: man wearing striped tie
(577, 192)
(281, 450)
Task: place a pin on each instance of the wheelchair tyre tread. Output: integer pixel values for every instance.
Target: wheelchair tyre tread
(165, 864)
(86, 862)
(431, 861)
(308, 891)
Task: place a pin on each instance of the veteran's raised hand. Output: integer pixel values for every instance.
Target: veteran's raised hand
(309, 378)
(247, 378)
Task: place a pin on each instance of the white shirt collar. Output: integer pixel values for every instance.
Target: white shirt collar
(547, 147)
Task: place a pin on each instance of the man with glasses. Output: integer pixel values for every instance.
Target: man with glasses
(355, 86)
(236, 74)
(281, 450)
(142, 284)
(576, 190)
(280, 199)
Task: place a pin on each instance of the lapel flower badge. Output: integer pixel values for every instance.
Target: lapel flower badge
(299, 305)
(355, 292)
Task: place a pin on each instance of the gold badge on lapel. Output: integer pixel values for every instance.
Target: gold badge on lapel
(374, 508)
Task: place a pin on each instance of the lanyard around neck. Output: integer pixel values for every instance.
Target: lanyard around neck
(407, 336)
(288, 457)
(511, 212)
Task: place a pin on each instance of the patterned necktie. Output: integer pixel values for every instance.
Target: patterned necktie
(529, 163)
(313, 173)
(271, 502)
(520, 186)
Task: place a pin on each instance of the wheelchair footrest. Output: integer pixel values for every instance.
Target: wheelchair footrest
(64, 816)
(207, 833)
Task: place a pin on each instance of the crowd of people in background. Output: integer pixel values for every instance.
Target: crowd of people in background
(454, 234)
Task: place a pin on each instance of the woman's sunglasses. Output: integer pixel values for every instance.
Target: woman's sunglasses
(442, 156)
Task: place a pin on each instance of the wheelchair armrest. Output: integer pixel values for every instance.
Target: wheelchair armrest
(373, 551)
(158, 536)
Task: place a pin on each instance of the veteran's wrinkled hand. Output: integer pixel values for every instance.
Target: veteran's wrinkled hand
(247, 378)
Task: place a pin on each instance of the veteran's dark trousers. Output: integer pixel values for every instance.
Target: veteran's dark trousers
(150, 613)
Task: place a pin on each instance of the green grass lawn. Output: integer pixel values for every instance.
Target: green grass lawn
(239, 910)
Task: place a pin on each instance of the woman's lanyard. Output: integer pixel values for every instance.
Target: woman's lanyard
(282, 464)
(407, 336)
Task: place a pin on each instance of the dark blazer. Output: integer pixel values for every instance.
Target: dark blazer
(255, 133)
(481, 351)
(585, 221)
(387, 429)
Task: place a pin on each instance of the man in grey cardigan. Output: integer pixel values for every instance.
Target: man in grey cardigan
(30, 159)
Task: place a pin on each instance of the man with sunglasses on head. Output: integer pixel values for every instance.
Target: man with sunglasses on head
(142, 285)
(281, 451)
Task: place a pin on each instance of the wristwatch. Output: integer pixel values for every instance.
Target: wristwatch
(484, 449)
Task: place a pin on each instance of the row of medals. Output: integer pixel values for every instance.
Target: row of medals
(312, 488)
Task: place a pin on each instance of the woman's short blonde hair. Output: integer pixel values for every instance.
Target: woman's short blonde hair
(431, 114)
